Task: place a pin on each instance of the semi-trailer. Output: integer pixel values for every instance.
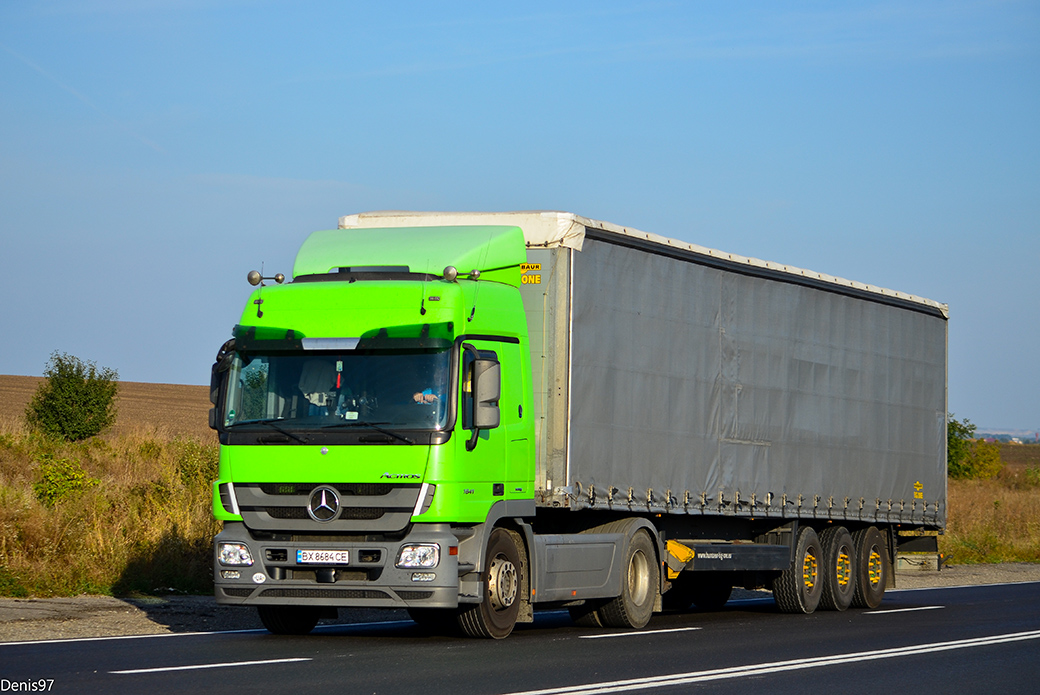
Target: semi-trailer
(473, 415)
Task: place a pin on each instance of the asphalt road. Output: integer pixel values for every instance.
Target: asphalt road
(981, 639)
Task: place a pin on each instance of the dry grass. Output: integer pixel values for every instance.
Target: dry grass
(997, 520)
(139, 519)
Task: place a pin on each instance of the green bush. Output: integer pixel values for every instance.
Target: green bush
(60, 478)
(967, 457)
(196, 462)
(77, 401)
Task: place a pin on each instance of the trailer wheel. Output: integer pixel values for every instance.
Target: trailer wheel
(639, 582)
(839, 568)
(798, 588)
(495, 616)
(709, 591)
(872, 568)
(289, 620)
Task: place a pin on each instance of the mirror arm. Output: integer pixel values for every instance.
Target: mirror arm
(471, 444)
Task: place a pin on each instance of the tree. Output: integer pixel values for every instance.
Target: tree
(967, 457)
(76, 401)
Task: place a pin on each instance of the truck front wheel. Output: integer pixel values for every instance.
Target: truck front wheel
(495, 615)
(289, 620)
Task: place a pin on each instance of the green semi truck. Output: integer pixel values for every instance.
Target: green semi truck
(473, 415)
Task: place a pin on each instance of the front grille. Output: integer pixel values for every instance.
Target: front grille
(362, 513)
(324, 593)
(414, 595)
(287, 512)
(237, 593)
(342, 575)
(366, 508)
(367, 489)
(347, 513)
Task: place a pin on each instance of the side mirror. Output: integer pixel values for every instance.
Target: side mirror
(487, 389)
(217, 377)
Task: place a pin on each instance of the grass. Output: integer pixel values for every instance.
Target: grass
(117, 514)
(996, 520)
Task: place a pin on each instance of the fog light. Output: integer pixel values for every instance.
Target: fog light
(234, 555)
(423, 576)
(419, 556)
(230, 574)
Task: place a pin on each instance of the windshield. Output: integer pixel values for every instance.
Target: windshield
(401, 389)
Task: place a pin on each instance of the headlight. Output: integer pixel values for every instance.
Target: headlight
(234, 554)
(420, 555)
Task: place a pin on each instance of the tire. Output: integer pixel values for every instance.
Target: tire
(798, 589)
(709, 591)
(872, 568)
(639, 583)
(289, 620)
(838, 568)
(495, 616)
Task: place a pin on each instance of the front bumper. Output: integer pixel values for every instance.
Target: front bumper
(369, 580)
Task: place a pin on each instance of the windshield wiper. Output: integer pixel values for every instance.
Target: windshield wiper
(270, 422)
(373, 425)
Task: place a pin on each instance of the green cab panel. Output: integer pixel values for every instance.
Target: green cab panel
(421, 249)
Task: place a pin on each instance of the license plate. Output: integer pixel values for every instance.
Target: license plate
(322, 557)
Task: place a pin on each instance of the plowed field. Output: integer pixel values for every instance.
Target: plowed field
(172, 409)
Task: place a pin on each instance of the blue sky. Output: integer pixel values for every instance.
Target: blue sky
(152, 152)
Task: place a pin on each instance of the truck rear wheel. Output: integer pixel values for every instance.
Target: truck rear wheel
(872, 568)
(495, 615)
(639, 581)
(798, 589)
(289, 620)
(839, 568)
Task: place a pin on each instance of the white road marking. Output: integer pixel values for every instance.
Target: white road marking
(674, 679)
(194, 667)
(903, 610)
(639, 633)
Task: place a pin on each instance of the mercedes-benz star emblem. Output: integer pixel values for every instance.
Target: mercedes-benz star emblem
(324, 504)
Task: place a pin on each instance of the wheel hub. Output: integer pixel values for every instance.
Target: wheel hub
(638, 582)
(874, 567)
(502, 583)
(809, 571)
(843, 569)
